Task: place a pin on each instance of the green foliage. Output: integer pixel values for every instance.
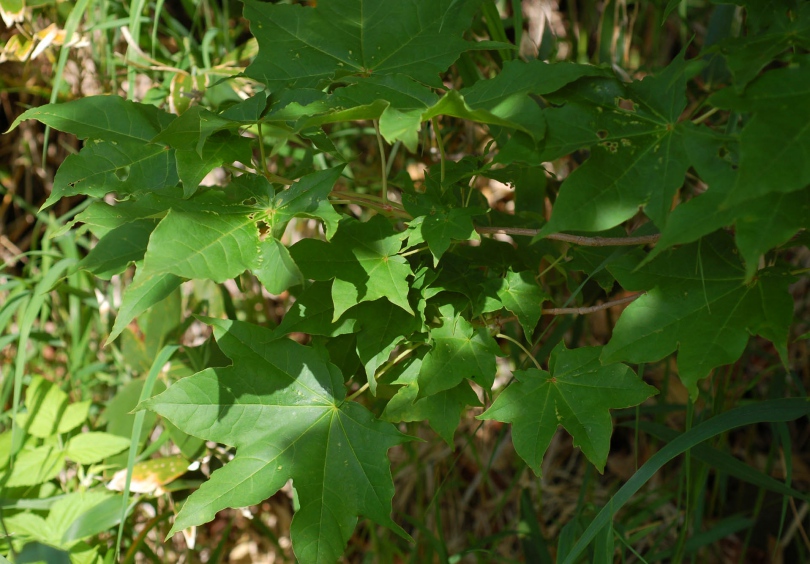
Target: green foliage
(408, 300)
(577, 393)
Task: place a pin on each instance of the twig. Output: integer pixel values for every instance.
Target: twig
(590, 309)
(576, 239)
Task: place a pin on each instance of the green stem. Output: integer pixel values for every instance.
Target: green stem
(414, 251)
(552, 265)
(384, 168)
(360, 390)
(704, 117)
(385, 368)
(524, 349)
(440, 143)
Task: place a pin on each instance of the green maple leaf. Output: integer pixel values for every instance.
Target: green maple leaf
(110, 118)
(140, 295)
(442, 410)
(192, 167)
(128, 167)
(306, 47)
(634, 135)
(761, 223)
(383, 326)
(697, 302)
(441, 227)
(118, 248)
(362, 258)
(193, 244)
(776, 141)
(118, 155)
(308, 197)
(520, 294)
(283, 408)
(276, 270)
(578, 393)
(313, 313)
(748, 54)
(458, 351)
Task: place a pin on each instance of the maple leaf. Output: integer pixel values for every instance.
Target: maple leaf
(458, 351)
(304, 47)
(306, 198)
(283, 408)
(578, 393)
(520, 294)
(775, 143)
(362, 258)
(761, 223)
(442, 410)
(634, 136)
(698, 303)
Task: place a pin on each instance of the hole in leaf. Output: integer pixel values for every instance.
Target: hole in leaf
(602, 133)
(625, 104)
(122, 173)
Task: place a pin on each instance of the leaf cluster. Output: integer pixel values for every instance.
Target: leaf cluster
(407, 300)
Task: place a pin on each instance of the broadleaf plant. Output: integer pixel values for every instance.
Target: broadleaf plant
(412, 296)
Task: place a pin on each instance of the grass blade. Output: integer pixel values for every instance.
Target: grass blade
(786, 409)
(162, 358)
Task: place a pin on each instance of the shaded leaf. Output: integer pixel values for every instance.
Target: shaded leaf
(697, 302)
(775, 143)
(442, 410)
(383, 326)
(305, 47)
(362, 258)
(634, 136)
(120, 247)
(313, 312)
(458, 351)
(521, 295)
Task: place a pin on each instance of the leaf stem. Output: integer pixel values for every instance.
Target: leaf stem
(524, 349)
(385, 368)
(384, 168)
(359, 391)
(440, 142)
(414, 251)
(576, 239)
(551, 265)
(705, 116)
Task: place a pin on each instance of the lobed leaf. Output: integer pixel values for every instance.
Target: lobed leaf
(283, 408)
(578, 393)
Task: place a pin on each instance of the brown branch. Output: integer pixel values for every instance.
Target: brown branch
(576, 239)
(590, 309)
